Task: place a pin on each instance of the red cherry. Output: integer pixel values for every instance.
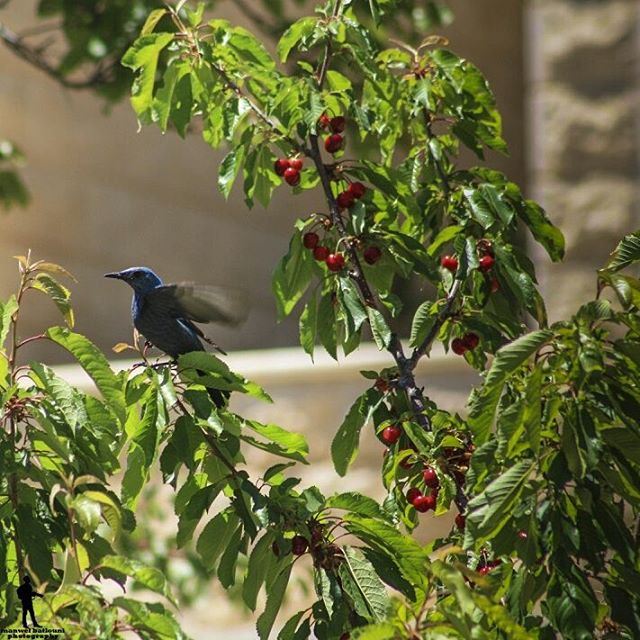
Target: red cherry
(391, 434)
(324, 121)
(295, 163)
(335, 261)
(450, 263)
(484, 570)
(345, 199)
(321, 253)
(338, 124)
(412, 494)
(460, 521)
(430, 478)
(486, 263)
(333, 143)
(281, 165)
(310, 240)
(372, 255)
(381, 385)
(345, 636)
(424, 503)
(292, 176)
(458, 347)
(495, 285)
(522, 534)
(299, 545)
(357, 190)
(471, 341)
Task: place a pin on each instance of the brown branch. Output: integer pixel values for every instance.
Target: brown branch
(14, 42)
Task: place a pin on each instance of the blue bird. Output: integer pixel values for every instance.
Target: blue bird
(165, 313)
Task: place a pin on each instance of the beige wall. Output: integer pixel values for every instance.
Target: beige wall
(106, 197)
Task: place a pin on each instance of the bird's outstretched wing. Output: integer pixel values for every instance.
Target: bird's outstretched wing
(200, 303)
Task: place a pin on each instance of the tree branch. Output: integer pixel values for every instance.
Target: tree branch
(14, 42)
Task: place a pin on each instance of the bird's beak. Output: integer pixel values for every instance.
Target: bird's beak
(115, 274)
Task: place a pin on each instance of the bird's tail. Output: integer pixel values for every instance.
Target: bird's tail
(219, 397)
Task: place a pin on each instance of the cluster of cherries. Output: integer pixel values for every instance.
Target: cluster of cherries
(487, 566)
(335, 140)
(334, 261)
(468, 342)
(353, 192)
(419, 500)
(486, 263)
(289, 169)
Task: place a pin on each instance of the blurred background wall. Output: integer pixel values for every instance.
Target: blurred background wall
(566, 74)
(106, 197)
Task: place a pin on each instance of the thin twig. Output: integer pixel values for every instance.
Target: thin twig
(14, 42)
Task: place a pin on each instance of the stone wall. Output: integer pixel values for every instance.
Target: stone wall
(584, 135)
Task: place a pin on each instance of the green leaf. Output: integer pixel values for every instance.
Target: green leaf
(163, 100)
(493, 508)
(298, 32)
(110, 510)
(379, 328)
(405, 552)
(361, 583)
(261, 562)
(148, 577)
(480, 209)
(150, 620)
(58, 293)
(95, 364)
(356, 503)
(348, 295)
(292, 276)
(507, 361)
(288, 631)
(135, 476)
(229, 169)
(7, 310)
(87, 512)
(274, 602)
(548, 235)
(66, 398)
(446, 235)
(626, 253)
(423, 322)
(308, 326)
(216, 536)
(146, 432)
(142, 57)
(290, 445)
(344, 447)
(327, 325)
(152, 20)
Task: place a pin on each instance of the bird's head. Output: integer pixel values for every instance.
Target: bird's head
(141, 279)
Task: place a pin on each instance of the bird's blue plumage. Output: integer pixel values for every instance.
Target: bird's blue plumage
(166, 331)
